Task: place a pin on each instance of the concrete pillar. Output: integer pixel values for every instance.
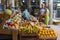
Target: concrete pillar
(51, 10)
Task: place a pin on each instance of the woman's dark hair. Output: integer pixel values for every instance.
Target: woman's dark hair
(44, 3)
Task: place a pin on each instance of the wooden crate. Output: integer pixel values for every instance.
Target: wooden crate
(24, 36)
(47, 38)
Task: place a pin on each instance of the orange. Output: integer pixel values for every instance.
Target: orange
(50, 35)
(38, 34)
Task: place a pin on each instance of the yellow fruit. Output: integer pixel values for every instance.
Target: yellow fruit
(53, 35)
(48, 32)
(50, 35)
(52, 32)
(42, 36)
(39, 34)
(14, 20)
(8, 12)
(46, 35)
(43, 33)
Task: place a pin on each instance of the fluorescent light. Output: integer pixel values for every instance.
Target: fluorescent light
(33, 0)
(58, 4)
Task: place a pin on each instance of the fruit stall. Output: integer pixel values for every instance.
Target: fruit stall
(14, 25)
(25, 29)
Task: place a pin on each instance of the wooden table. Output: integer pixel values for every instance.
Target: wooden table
(14, 33)
(3, 19)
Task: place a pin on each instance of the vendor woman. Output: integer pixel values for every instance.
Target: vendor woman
(45, 11)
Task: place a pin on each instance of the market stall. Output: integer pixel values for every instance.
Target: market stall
(13, 23)
(27, 29)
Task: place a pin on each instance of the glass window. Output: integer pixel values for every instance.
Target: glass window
(56, 9)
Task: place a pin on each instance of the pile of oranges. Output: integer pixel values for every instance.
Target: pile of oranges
(47, 33)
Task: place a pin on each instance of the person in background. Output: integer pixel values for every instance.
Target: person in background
(26, 14)
(45, 13)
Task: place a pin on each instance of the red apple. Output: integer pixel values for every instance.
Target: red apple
(11, 23)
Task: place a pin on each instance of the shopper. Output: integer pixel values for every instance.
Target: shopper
(44, 13)
(26, 14)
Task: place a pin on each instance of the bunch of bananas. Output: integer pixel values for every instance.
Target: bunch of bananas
(28, 28)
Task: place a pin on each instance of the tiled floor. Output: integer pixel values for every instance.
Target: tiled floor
(57, 29)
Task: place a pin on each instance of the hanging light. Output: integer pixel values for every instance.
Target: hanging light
(23, 1)
(33, 0)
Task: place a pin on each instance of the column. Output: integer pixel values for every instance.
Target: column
(51, 11)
